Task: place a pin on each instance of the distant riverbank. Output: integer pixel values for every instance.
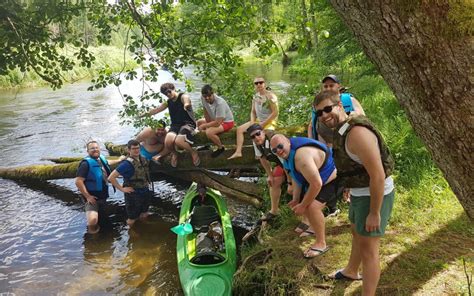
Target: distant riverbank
(105, 55)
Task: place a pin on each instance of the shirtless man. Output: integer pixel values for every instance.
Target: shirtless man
(151, 140)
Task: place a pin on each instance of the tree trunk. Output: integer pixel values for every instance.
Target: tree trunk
(314, 29)
(304, 23)
(425, 52)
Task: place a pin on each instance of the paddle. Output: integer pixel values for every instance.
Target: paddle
(184, 228)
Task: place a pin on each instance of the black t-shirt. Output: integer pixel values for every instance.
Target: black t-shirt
(83, 171)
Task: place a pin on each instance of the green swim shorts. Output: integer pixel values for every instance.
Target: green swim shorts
(359, 210)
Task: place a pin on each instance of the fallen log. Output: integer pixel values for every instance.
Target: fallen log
(244, 191)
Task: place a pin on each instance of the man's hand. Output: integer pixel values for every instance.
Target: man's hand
(91, 199)
(270, 180)
(201, 128)
(299, 209)
(372, 223)
(346, 195)
(128, 189)
(293, 203)
(188, 107)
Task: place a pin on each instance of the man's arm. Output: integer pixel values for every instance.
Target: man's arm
(115, 161)
(158, 109)
(306, 165)
(113, 180)
(268, 169)
(80, 184)
(186, 101)
(253, 113)
(144, 134)
(357, 106)
(363, 143)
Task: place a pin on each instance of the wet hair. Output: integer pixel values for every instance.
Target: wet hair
(207, 90)
(132, 143)
(331, 95)
(166, 86)
(91, 142)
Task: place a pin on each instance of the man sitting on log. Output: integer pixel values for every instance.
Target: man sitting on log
(91, 181)
(275, 177)
(312, 170)
(136, 184)
(217, 119)
(183, 124)
(152, 140)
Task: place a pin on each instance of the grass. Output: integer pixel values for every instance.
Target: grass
(105, 55)
(428, 237)
(421, 253)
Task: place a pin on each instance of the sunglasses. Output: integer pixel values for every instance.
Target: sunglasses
(257, 134)
(326, 109)
(278, 147)
(259, 82)
(167, 92)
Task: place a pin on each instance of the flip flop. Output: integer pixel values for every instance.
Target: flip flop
(306, 233)
(340, 276)
(316, 252)
(196, 160)
(301, 227)
(174, 160)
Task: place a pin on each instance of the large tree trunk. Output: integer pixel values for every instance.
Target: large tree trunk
(425, 52)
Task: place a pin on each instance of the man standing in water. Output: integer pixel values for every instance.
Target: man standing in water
(364, 165)
(136, 184)
(91, 181)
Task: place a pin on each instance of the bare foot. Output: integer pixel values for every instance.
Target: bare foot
(235, 155)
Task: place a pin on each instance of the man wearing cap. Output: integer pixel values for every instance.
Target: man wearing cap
(318, 130)
(365, 165)
(183, 124)
(152, 140)
(275, 177)
(217, 119)
(312, 170)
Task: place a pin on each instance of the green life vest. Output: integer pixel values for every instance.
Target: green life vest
(141, 177)
(351, 173)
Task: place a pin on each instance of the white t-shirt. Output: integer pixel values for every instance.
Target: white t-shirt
(219, 108)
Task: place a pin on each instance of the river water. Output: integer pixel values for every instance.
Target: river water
(44, 247)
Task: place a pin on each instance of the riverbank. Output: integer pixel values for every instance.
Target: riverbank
(105, 55)
(429, 234)
(422, 253)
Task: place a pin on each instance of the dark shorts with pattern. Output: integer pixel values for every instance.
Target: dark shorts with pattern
(137, 203)
(186, 130)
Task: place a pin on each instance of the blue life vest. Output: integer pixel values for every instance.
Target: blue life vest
(94, 176)
(346, 100)
(325, 170)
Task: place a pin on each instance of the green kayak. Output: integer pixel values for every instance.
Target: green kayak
(206, 257)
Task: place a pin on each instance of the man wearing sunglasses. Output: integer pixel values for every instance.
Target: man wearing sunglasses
(276, 176)
(312, 170)
(364, 165)
(91, 180)
(218, 118)
(264, 112)
(183, 124)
